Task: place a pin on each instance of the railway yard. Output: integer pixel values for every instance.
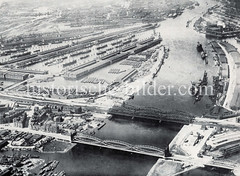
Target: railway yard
(77, 65)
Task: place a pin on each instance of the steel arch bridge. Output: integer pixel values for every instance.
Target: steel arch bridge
(119, 145)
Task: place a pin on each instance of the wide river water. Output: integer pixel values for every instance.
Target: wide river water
(182, 66)
(84, 160)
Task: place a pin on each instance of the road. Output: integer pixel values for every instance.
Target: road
(32, 99)
(216, 122)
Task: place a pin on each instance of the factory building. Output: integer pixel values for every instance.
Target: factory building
(95, 66)
(50, 127)
(16, 76)
(8, 75)
(126, 76)
(64, 109)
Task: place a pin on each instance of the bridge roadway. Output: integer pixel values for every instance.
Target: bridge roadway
(119, 145)
(124, 146)
(184, 171)
(216, 122)
(174, 118)
(152, 151)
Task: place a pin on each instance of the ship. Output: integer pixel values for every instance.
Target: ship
(201, 51)
(199, 47)
(197, 88)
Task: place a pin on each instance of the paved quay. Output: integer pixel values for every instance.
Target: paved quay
(232, 100)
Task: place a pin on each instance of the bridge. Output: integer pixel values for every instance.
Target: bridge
(205, 161)
(152, 114)
(216, 122)
(151, 151)
(127, 147)
(119, 145)
(223, 164)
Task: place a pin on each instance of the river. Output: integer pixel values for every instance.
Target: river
(182, 66)
(83, 160)
(183, 60)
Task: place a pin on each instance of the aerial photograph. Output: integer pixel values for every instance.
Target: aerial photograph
(120, 88)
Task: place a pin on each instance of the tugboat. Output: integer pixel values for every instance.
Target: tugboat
(205, 79)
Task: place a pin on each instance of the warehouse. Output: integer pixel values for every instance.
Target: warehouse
(6, 75)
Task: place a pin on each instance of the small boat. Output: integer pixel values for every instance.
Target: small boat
(203, 55)
(199, 47)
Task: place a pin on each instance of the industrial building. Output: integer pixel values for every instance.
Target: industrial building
(125, 76)
(9, 116)
(96, 66)
(9, 75)
(232, 51)
(38, 72)
(147, 46)
(20, 121)
(88, 68)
